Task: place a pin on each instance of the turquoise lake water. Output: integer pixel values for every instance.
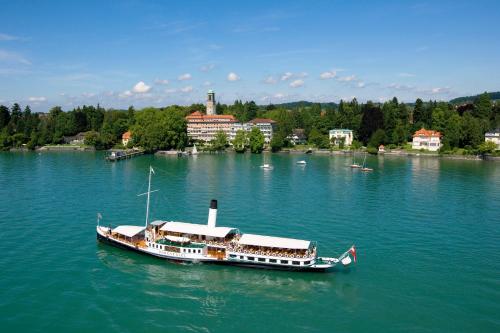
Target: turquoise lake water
(427, 233)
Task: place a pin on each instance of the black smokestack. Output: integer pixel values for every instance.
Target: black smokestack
(213, 204)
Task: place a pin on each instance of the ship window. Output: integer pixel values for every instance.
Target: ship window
(307, 262)
(232, 255)
(295, 262)
(272, 260)
(284, 261)
(241, 257)
(189, 250)
(262, 259)
(250, 258)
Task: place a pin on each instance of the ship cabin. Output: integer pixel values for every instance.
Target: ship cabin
(273, 250)
(215, 239)
(131, 234)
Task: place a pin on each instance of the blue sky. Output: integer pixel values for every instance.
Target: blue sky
(157, 53)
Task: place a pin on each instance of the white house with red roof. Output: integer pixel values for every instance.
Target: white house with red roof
(126, 137)
(426, 139)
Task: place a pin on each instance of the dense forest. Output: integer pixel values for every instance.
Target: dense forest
(391, 123)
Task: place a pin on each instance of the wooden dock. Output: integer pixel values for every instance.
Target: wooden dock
(118, 155)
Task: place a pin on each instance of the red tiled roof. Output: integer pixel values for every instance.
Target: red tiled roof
(126, 135)
(428, 133)
(200, 116)
(261, 120)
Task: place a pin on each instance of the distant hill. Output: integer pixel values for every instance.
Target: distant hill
(293, 105)
(461, 100)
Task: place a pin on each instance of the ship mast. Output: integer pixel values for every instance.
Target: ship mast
(151, 171)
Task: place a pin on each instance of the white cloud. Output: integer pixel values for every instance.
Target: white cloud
(286, 76)
(214, 47)
(440, 90)
(141, 88)
(279, 96)
(13, 57)
(232, 77)
(187, 89)
(270, 80)
(207, 83)
(328, 75)
(297, 83)
(361, 85)
(406, 74)
(170, 91)
(37, 99)
(347, 78)
(398, 86)
(161, 82)
(88, 95)
(184, 77)
(125, 94)
(7, 37)
(207, 68)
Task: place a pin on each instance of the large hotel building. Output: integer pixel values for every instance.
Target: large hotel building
(203, 127)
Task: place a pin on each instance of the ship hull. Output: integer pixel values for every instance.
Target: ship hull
(112, 242)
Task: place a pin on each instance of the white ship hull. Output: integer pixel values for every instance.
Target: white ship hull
(230, 257)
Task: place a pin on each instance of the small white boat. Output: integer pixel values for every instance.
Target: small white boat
(302, 162)
(266, 166)
(364, 168)
(194, 151)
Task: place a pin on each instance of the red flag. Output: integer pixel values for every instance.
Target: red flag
(352, 251)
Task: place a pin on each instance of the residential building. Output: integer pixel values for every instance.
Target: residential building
(426, 139)
(126, 137)
(493, 136)
(77, 139)
(339, 134)
(205, 127)
(298, 136)
(266, 126)
(381, 149)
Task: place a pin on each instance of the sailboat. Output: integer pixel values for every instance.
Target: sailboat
(354, 165)
(210, 243)
(364, 168)
(194, 151)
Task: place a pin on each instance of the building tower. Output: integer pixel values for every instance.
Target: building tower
(211, 103)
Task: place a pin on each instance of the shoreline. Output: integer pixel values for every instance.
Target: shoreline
(316, 152)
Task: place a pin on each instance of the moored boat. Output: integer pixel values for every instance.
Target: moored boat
(209, 243)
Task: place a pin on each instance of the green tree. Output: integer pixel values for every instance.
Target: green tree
(453, 131)
(220, 141)
(471, 130)
(373, 119)
(487, 147)
(277, 142)
(257, 140)
(483, 106)
(4, 116)
(240, 141)
(377, 138)
(318, 139)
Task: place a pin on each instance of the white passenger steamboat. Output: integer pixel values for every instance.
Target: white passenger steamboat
(190, 242)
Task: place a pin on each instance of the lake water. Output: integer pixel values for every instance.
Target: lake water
(427, 233)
